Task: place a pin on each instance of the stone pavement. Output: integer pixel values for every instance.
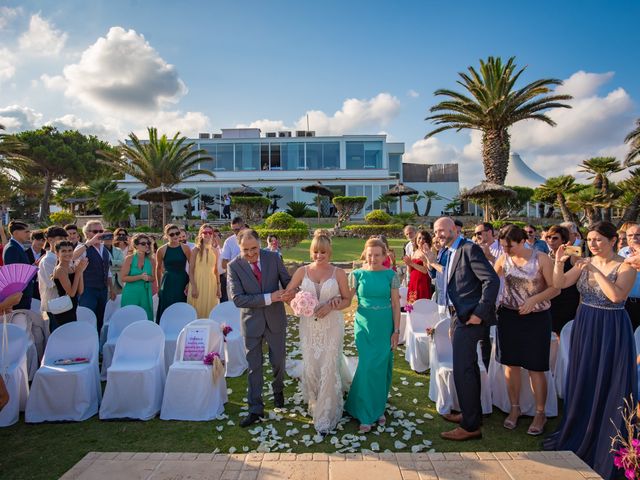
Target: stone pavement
(322, 466)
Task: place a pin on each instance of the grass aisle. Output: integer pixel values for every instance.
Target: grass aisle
(46, 451)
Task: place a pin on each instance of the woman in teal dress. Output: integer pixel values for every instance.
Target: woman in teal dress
(171, 273)
(376, 331)
(137, 275)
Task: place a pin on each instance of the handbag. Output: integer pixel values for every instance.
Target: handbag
(60, 305)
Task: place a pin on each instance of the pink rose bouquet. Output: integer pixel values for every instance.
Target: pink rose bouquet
(304, 304)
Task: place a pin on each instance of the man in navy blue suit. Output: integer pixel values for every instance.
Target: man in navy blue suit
(14, 253)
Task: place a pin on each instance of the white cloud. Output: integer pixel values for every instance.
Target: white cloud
(42, 39)
(16, 118)
(7, 15)
(583, 84)
(431, 150)
(56, 82)
(7, 67)
(189, 124)
(103, 130)
(412, 93)
(123, 73)
(266, 125)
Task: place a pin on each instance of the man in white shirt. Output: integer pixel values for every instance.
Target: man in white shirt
(46, 266)
(184, 238)
(410, 234)
(230, 248)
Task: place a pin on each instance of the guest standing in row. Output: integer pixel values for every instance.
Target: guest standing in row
(46, 267)
(204, 285)
(602, 359)
(171, 274)
(35, 253)
(419, 286)
(633, 248)
(73, 234)
(69, 279)
(376, 331)
(116, 257)
(14, 253)
(137, 273)
(230, 250)
(533, 241)
(524, 322)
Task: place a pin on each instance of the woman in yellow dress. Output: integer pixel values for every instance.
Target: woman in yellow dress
(204, 285)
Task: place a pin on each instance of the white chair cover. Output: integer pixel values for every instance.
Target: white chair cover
(226, 313)
(69, 392)
(527, 402)
(135, 379)
(110, 308)
(424, 315)
(190, 392)
(172, 322)
(562, 360)
(442, 389)
(84, 314)
(403, 327)
(13, 368)
(23, 319)
(120, 319)
(403, 291)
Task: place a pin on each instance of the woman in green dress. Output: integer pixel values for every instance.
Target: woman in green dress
(171, 273)
(376, 330)
(137, 275)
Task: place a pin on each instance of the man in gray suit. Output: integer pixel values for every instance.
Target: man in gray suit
(257, 281)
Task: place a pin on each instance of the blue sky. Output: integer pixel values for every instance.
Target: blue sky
(359, 67)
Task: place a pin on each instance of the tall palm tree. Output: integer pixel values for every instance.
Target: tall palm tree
(158, 161)
(553, 190)
(633, 139)
(11, 152)
(492, 106)
(588, 200)
(630, 187)
(600, 168)
(429, 195)
(414, 199)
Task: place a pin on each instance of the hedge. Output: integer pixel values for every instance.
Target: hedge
(377, 217)
(251, 209)
(62, 218)
(289, 231)
(365, 231)
(280, 220)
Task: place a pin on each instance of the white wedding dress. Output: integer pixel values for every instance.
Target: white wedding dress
(325, 376)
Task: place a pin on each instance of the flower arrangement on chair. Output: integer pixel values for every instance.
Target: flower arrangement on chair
(410, 299)
(626, 448)
(217, 364)
(226, 330)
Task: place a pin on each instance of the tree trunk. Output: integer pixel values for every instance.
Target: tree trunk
(427, 208)
(567, 216)
(44, 203)
(415, 209)
(631, 211)
(495, 155)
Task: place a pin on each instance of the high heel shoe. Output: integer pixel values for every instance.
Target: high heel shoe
(364, 428)
(535, 431)
(512, 424)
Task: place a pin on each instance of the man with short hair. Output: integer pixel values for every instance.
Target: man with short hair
(257, 282)
(633, 248)
(410, 234)
(534, 243)
(14, 252)
(574, 236)
(72, 234)
(184, 238)
(484, 236)
(230, 250)
(47, 265)
(459, 226)
(35, 253)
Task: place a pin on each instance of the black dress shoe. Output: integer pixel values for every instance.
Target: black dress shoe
(278, 400)
(250, 420)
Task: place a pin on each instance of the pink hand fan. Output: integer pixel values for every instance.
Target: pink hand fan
(14, 278)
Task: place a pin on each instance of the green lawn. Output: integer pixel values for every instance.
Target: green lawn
(46, 451)
(344, 249)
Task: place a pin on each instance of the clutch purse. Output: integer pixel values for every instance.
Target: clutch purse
(60, 305)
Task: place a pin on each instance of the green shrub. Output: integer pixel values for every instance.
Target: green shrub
(377, 217)
(405, 218)
(62, 218)
(310, 213)
(498, 224)
(347, 207)
(280, 220)
(365, 231)
(251, 209)
(296, 209)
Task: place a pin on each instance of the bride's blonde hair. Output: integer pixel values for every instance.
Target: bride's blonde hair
(321, 242)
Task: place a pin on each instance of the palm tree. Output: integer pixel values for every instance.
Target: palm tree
(633, 139)
(386, 201)
(554, 191)
(158, 161)
(587, 199)
(600, 168)
(429, 195)
(630, 187)
(414, 199)
(492, 107)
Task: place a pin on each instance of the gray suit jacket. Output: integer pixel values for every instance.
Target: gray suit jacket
(248, 295)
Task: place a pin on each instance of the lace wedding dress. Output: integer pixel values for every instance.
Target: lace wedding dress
(325, 375)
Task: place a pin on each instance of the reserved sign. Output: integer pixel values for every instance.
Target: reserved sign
(196, 342)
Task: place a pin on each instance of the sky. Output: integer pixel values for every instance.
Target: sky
(113, 67)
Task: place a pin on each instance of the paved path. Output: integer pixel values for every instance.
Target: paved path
(322, 466)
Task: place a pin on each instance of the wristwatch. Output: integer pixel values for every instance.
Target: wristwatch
(396, 331)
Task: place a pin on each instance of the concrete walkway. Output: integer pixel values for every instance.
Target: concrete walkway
(322, 466)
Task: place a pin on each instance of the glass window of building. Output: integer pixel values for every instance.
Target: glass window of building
(362, 155)
(224, 157)
(355, 155)
(211, 151)
(247, 156)
(264, 156)
(395, 162)
(275, 156)
(372, 154)
(323, 155)
(292, 156)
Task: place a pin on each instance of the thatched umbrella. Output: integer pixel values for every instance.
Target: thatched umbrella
(244, 191)
(81, 202)
(400, 190)
(161, 194)
(487, 190)
(320, 190)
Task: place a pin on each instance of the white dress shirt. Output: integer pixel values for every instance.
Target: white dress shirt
(46, 285)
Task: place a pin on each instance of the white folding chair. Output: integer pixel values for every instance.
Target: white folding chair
(562, 358)
(190, 392)
(423, 315)
(67, 392)
(172, 322)
(135, 379)
(120, 319)
(13, 368)
(110, 308)
(23, 319)
(84, 314)
(226, 313)
(403, 291)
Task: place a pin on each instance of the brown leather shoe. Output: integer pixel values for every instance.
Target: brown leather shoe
(452, 417)
(460, 434)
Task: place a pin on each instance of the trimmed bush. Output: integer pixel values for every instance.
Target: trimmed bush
(280, 220)
(346, 207)
(377, 217)
(289, 231)
(365, 231)
(498, 224)
(405, 218)
(252, 209)
(62, 218)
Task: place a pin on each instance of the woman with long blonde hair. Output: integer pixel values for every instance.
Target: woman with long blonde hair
(204, 287)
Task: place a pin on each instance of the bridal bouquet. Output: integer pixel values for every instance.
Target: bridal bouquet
(304, 304)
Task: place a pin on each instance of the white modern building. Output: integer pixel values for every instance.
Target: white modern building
(363, 165)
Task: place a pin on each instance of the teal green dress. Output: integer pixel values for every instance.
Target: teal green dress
(139, 292)
(372, 328)
(174, 280)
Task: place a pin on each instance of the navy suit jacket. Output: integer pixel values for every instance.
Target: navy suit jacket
(15, 253)
(473, 284)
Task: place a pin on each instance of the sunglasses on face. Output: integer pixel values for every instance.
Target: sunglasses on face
(207, 233)
(479, 232)
(96, 231)
(553, 238)
(173, 234)
(529, 232)
(633, 235)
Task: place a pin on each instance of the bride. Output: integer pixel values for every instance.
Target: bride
(325, 373)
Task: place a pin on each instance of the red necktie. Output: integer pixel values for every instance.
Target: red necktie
(257, 272)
